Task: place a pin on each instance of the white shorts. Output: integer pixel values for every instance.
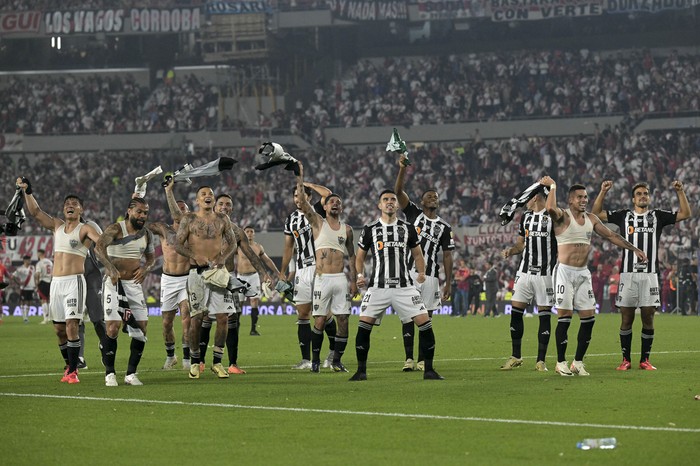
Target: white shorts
(205, 299)
(304, 284)
(173, 291)
(253, 279)
(67, 298)
(638, 289)
(331, 291)
(134, 294)
(429, 290)
(573, 288)
(406, 302)
(530, 287)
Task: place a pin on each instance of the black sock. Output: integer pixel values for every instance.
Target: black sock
(362, 343)
(170, 349)
(341, 342)
(232, 339)
(110, 353)
(316, 343)
(543, 333)
(217, 355)
(626, 344)
(194, 357)
(516, 331)
(185, 351)
(304, 335)
(64, 352)
(137, 347)
(426, 343)
(204, 339)
(100, 330)
(647, 341)
(560, 336)
(408, 331)
(584, 336)
(254, 313)
(331, 330)
(73, 354)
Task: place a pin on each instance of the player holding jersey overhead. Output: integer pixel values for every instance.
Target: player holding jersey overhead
(639, 282)
(435, 235)
(533, 280)
(390, 241)
(573, 288)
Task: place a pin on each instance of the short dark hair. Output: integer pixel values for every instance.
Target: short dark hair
(219, 196)
(27, 257)
(73, 196)
(251, 227)
(576, 187)
(641, 184)
(430, 190)
(136, 200)
(386, 191)
(202, 187)
(330, 196)
(40, 251)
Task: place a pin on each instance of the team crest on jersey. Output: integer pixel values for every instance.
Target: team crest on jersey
(74, 243)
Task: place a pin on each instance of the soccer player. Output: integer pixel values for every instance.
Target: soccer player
(23, 276)
(333, 241)
(573, 288)
(173, 281)
(533, 280)
(121, 249)
(248, 273)
(298, 235)
(67, 298)
(42, 279)
(390, 241)
(639, 282)
(207, 238)
(435, 235)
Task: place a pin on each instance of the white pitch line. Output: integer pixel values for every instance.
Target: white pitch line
(359, 413)
(371, 363)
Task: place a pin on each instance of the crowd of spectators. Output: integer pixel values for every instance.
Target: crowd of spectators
(500, 86)
(394, 91)
(68, 104)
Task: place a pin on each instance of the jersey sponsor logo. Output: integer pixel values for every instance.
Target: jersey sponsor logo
(654, 290)
(632, 230)
(536, 234)
(389, 244)
(416, 300)
(73, 302)
(301, 231)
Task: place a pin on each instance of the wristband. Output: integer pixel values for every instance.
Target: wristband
(28, 189)
(553, 186)
(359, 275)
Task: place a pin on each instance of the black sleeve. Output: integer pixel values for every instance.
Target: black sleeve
(365, 241)
(412, 211)
(412, 236)
(318, 207)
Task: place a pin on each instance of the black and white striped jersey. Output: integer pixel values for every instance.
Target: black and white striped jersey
(540, 253)
(390, 245)
(298, 226)
(643, 231)
(434, 235)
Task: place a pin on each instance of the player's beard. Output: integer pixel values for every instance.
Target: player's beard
(137, 224)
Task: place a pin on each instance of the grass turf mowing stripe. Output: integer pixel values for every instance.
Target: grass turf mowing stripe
(359, 413)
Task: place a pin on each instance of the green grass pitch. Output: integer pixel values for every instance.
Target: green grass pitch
(273, 415)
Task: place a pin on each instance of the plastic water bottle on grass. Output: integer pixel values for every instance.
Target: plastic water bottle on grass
(597, 443)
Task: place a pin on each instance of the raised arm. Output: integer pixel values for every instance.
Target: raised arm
(44, 219)
(399, 184)
(684, 211)
(311, 215)
(597, 208)
(175, 211)
(551, 205)
(616, 239)
(321, 190)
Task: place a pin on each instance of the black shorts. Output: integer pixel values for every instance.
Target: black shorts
(44, 290)
(26, 295)
(93, 299)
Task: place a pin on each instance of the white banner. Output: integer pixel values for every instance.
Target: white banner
(13, 248)
(531, 10)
